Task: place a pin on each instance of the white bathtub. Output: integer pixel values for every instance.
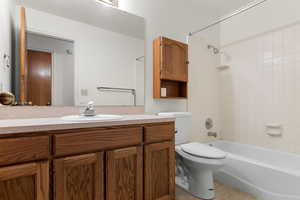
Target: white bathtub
(264, 173)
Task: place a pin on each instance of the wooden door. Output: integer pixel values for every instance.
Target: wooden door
(25, 182)
(39, 78)
(159, 171)
(174, 60)
(79, 177)
(124, 179)
(23, 58)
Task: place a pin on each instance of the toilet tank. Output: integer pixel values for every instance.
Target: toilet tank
(183, 125)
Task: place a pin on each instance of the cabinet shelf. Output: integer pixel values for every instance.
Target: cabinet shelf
(170, 69)
(174, 80)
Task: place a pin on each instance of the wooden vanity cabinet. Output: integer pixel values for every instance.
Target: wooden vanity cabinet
(133, 162)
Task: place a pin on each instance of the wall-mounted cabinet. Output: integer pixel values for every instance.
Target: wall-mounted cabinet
(170, 68)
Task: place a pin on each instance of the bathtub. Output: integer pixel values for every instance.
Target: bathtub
(264, 173)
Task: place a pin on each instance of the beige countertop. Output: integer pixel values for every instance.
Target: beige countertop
(8, 127)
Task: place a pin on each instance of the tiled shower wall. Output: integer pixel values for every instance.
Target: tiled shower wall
(262, 86)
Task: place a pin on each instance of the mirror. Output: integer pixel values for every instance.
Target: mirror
(74, 53)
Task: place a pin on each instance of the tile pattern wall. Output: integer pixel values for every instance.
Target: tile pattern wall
(262, 87)
(204, 94)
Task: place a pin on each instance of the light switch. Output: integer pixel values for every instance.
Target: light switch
(163, 92)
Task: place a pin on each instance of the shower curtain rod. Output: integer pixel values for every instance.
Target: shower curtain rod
(239, 11)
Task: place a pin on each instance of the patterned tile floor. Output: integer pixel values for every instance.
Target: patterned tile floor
(223, 193)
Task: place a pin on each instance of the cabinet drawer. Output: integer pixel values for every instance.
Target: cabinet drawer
(23, 149)
(96, 140)
(157, 133)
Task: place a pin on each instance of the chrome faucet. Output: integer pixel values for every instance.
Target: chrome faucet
(89, 111)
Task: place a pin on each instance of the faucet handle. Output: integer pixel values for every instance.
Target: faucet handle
(89, 110)
(90, 104)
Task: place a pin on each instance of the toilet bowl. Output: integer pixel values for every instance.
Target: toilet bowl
(195, 164)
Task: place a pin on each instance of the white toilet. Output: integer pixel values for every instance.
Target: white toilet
(195, 162)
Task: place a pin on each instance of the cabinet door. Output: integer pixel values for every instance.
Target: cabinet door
(174, 60)
(25, 182)
(79, 177)
(160, 171)
(124, 179)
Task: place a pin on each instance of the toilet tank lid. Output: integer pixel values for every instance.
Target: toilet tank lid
(202, 150)
(175, 114)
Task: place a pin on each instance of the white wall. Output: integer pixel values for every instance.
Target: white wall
(102, 58)
(170, 18)
(7, 15)
(62, 66)
(262, 86)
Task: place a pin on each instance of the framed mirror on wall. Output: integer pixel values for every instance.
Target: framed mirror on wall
(93, 52)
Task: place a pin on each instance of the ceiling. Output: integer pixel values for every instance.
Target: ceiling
(90, 12)
(93, 13)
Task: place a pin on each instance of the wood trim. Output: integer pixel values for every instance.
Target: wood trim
(59, 179)
(23, 58)
(169, 42)
(60, 165)
(149, 171)
(39, 169)
(96, 140)
(157, 64)
(80, 160)
(99, 177)
(42, 181)
(17, 150)
(13, 172)
(77, 130)
(122, 153)
(111, 184)
(158, 133)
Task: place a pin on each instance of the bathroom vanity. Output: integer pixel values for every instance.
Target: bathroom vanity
(47, 159)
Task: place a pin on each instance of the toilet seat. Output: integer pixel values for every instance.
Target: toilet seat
(203, 151)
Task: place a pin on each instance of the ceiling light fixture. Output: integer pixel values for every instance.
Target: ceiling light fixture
(113, 3)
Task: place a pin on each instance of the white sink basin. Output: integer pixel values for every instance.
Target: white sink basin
(80, 118)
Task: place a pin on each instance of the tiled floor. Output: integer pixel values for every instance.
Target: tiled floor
(223, 193)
